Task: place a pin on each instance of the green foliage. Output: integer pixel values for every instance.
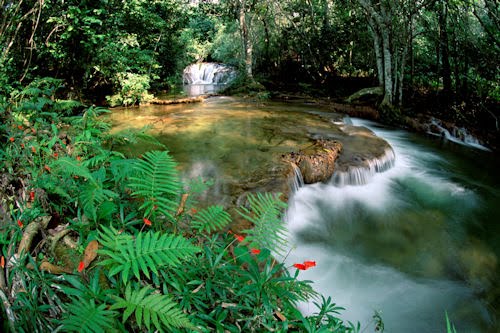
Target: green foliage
(268, 229)
(133, 89)
(149, 307)
(211, 219)
(450, 328)
(156, 183)
(149, 251)
(86, 316)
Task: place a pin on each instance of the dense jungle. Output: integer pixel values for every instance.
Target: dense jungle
(342, 178)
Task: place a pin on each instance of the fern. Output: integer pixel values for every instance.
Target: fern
(86, 316)
(211, 219)
(156, 183)
(158, 309)
(265, 213)
(147, 252)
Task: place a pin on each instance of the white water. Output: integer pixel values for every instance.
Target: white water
(385, 246)
(208, 73)
(458, 135)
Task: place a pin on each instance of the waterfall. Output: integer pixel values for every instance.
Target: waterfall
(458, 135)
(361, 175)
(208, 73)
(298, 181)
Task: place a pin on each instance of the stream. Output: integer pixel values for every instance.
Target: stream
(409, 243)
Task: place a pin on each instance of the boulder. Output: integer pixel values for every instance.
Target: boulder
(317, 162)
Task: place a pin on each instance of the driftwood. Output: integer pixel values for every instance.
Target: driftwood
(177, 101)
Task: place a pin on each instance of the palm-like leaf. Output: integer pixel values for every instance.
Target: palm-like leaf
(157, 183)
(211, 219)
(147, 252)
(266, 214)
(86, 316)
(158, 309)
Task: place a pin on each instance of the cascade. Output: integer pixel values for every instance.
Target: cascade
(297, 181)
(458, 135)
(208, 73)
(361, 175)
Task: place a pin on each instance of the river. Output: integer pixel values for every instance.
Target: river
(411, 242)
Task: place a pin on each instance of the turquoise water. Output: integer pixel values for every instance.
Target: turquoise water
(417, 240)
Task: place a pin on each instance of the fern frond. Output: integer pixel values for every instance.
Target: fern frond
(266, 215)
(148, 307)
(86, 316)
(147, 252)
(211, 219)
(157, 183)
(71, 167)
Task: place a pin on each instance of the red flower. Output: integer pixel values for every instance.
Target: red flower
(255, 251)
(32, 196)
(239, 238)
(33, 150)
(146, 221)
(20, 223)
(22, 145)
(193, 211)
(20, 127)
(46, 167)
(56, 155)
(302, 267)
(81, 266)
(2, 262)
(11, 139)
(78, 158)
(309, 264)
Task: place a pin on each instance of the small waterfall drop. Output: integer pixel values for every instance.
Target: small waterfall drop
(458, 135)
(361, 175)
(297, 181)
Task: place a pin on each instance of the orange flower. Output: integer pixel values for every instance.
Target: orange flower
(20, 127)
(255, 251)
(146, 221)
(33, 150)
(302, 267)
(46, 167)
(20, 223)
(239, 238)
(78, 158)
(22, 145)
(2, 262)
(11, 139)
(32, 196)
(309, 264)
(56, 155)
(81, 266)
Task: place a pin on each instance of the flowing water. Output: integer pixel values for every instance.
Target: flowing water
(412, 242)
(412, 236)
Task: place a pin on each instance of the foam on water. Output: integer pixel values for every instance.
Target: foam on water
(408, 303)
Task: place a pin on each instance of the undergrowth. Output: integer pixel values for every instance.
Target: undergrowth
(93, 241)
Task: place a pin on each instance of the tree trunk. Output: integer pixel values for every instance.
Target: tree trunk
(445, 53)
(247, 43)
(386, 46)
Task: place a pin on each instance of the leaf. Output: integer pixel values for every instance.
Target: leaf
(90, 252)
(157, 183)
(144, 254)
(85, 316)
(211, 219)
(265, 213)
(149, 307)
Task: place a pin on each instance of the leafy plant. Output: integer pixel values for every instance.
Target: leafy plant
(84, 315)
(265, 213)
(211, 219)
(147, 252)
(156, 183)
(148, 307)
